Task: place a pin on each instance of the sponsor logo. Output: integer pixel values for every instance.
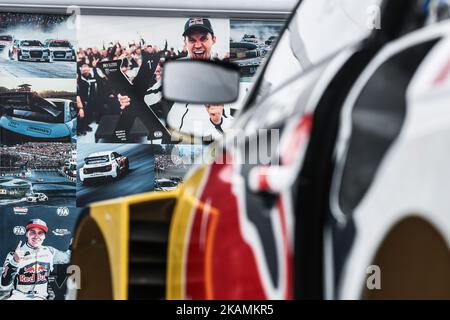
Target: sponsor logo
(158, 134)
(62, 211)
(35, 268)
(19, 230)
(195, 21)
(34, 273)
(20, 210)
(61, 232)
(39, 130)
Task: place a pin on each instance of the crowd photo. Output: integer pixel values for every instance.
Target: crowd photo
(119, 79)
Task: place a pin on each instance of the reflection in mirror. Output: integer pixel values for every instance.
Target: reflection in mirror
(201, 82)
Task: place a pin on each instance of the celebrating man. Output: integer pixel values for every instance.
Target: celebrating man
(27, 268)
(199, 38)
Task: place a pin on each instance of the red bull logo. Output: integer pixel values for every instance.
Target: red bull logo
(36, 273)
(36, 268)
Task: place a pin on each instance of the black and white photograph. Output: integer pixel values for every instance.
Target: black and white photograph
(120, 71)
(107, 171)
(37, 110)
(37, 46)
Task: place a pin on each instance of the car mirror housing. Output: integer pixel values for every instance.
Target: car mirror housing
(200, 82)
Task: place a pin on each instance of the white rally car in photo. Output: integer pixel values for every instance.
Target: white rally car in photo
(29, 50)
(60, 50)
(106, 164)
(37, 197)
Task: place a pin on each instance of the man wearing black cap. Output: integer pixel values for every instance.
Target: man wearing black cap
(26, 269)
(199, 38)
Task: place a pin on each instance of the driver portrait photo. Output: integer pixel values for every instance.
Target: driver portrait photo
(27, 268)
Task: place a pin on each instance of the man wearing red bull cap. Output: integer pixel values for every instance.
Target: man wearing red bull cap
(26, 270)
(199, 38)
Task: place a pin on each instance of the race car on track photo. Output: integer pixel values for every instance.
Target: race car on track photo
(27, 117)
(37, 197)
(101, 165)
(60, 50)
(29, 50)
(165, 184)
(6, 40)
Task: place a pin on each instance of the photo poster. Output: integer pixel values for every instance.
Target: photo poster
(126, 59)
(61, 223)
(38, 124)
(251, 41)
(48, 68)
(109, 171)
(172, 163)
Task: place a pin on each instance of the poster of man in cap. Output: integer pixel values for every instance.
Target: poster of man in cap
(36, 253)
(145, 43)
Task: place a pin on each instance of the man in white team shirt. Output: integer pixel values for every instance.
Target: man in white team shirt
(199, 40)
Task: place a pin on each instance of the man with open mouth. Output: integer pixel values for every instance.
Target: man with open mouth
(199, 38)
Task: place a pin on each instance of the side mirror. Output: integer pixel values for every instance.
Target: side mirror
(200, 82)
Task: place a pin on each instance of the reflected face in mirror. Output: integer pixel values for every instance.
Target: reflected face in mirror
(199, 44)
(215, 112)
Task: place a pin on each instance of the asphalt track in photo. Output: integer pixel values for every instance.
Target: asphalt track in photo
(60, 191)
(31, 69)
(139, 179)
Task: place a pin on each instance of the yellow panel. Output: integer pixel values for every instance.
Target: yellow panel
(113, 220)
(112, 216)
(186, 203)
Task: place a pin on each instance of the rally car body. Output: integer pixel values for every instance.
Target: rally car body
(108, 164)
(28, 117)
(29, 50)
(60, 50)
(6, 41)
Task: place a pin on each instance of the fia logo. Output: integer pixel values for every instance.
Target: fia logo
(158, 134)
(62, 211)
(19, 230)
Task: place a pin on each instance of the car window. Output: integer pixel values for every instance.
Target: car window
(318, 30)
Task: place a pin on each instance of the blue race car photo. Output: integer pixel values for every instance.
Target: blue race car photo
(27, 117)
